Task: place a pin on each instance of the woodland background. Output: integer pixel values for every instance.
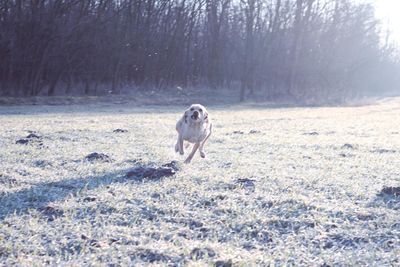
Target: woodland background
(291, 49)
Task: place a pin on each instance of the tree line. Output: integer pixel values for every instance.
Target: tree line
(280, 48)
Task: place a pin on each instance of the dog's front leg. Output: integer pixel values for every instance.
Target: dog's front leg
(179, 145)
(189, 158)
(201, 148)
(180, 140)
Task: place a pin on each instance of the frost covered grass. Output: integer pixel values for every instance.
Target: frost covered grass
(297, 186)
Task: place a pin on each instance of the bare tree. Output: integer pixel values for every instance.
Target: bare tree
(277, 48)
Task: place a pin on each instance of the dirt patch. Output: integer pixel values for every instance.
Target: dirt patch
(390, 191)
(153, 172)
(98, 157)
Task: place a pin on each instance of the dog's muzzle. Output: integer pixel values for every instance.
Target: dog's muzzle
(195, 115)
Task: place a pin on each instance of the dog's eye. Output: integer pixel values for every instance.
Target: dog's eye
(191, 109)
(200, 110)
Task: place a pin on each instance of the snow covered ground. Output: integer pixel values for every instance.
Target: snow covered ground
(297, 186)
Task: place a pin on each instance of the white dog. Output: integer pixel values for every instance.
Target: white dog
(194, 127)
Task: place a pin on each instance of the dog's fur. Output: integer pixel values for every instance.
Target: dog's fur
(194, 127)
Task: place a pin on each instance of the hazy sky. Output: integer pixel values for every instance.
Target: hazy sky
(389, 12)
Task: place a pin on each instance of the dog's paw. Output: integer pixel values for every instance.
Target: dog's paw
(181, 152)
(187, 161)
(176, 148)
(202, 154)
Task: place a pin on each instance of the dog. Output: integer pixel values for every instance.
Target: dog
(194, 127)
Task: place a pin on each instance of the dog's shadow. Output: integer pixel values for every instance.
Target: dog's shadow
(39, 196)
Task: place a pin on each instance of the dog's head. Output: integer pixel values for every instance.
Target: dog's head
(196, 113)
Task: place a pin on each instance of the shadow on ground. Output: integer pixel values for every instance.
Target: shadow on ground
(39, 196)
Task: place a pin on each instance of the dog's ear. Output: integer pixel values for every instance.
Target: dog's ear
(185, 115)
(205, 115)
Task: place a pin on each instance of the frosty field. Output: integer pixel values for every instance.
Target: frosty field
(279, 186)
